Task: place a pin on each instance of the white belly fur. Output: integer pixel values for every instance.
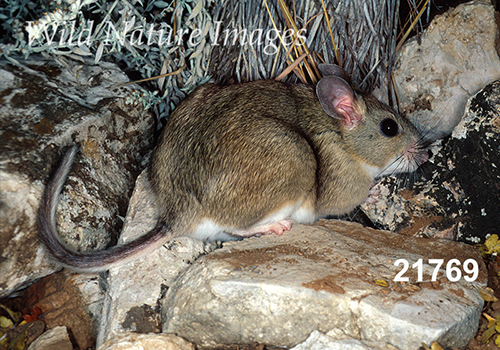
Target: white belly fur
(209, 230)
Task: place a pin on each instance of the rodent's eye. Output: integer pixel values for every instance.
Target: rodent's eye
(389, 127)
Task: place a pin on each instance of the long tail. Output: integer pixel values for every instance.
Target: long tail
(92, 261)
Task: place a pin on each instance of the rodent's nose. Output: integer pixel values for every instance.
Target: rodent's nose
(424, 156)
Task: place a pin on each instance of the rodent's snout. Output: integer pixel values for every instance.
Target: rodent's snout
(416, 154)
(425, 155)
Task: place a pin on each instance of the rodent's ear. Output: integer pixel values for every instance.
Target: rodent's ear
(333, 69)
(338, 100)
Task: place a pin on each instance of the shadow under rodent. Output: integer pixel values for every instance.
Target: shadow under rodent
(252, 158)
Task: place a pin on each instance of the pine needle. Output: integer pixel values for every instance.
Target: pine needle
(413, 24)
(290, 67)
(335, 49)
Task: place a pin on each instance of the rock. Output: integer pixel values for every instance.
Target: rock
(452, 60)
(456, 195)
(134, 341)
(132, 298)
(62, 304)
(55, 338)
(320, 341)
(465, 178)
(134, 289)
(44, 108)
(90, 290)
(23, 334)
(278, 290)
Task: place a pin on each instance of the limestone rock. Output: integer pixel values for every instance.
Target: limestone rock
(455, 57)
(89, 288)
(278, 290)
(456, 195)
(134, 341)
(45, 108)
(132, 298)
(320, 341)
(134, 289)
(55, 338)
(62, 304)
(466, 173)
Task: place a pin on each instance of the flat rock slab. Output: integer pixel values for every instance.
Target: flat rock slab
(336, 340)
(332, 275)
(134, 341)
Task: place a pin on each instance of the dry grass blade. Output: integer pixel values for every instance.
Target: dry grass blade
(298, 49)
(412, 25)
(335, 49)
(291, 67)
(301, 49)
(153, 78)
(361, 35)
(274, 23)
(393, 81)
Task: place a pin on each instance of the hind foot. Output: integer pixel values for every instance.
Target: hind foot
(278, 228)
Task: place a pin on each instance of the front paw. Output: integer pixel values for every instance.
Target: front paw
(373, 196)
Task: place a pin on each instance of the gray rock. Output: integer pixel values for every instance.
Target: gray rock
(132, 341)
(466, 173)
(134, 289)
(90, 287)
(278, 290)
(455, 57)
(320, 341)
(55, 338)
(44, 109)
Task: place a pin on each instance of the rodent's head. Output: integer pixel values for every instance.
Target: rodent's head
(372, 132)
